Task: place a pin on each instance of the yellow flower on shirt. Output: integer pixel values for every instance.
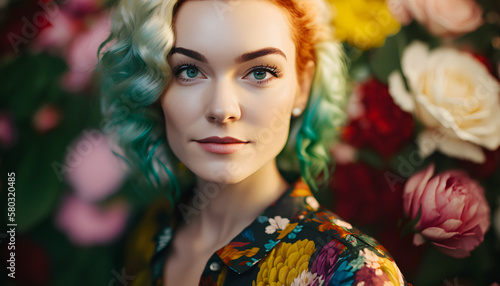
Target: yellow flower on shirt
(285, 263)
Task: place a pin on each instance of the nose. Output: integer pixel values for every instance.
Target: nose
(223, 104)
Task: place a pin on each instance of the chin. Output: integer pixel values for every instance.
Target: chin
(221, 173)
(223, 178)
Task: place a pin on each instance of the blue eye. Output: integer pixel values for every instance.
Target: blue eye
(263, 74)
(192, 72)
(188, 73)
(259, 74)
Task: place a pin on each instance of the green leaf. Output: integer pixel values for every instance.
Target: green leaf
(370, 157)
(31, 78)
(409, 227)
(386, 59)
(38, 186)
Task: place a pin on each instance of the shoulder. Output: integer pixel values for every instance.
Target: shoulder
(346, 256)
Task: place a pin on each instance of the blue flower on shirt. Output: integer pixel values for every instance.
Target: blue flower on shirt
(248, 234)
(270, 245)
(262, 219)
(293, 234)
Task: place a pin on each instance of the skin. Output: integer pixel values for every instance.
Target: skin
(224, 90)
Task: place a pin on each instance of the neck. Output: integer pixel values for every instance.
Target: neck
(225, 210)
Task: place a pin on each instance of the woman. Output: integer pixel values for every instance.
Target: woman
(229, 77)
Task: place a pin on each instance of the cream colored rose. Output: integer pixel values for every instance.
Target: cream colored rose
(454, 96)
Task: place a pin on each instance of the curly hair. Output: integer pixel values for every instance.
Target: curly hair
(135, 72)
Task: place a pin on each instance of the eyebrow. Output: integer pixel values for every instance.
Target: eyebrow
(190, 53)
(240, 59)
(259, 53)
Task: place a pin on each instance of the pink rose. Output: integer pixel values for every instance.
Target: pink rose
(86, 224)
(440, 17)
(454, 212)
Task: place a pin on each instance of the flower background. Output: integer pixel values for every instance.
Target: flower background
(418, 163)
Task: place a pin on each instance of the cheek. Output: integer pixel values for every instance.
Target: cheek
(274, 117)
(178, 110)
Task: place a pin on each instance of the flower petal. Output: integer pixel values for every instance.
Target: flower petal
(437, 233)
(399, 94)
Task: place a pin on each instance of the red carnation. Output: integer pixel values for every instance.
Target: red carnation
(382, 126)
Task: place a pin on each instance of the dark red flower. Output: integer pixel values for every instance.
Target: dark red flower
(405, 253)
(24, 23)
(486, 62)
(364, 195)
(383, 126)
(485, 169)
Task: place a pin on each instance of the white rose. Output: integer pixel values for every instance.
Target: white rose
(454, 96)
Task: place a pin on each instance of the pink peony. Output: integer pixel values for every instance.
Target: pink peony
(86, 224)
(440, 17)
(91, 167)
(454, 212)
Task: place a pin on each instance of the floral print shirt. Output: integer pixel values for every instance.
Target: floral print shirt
(293, 242)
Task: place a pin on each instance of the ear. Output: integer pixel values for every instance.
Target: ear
(305, 82)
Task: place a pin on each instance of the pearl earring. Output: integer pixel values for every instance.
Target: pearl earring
(296, 111)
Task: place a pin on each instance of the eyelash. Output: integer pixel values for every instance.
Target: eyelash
(178, 69)
(272, 69)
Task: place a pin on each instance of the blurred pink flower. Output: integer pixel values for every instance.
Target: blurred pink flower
(454, 212)
(82, 55)
(46, 118)
(57, 37)
(440, 17)
(343, 153)
(399, 11)
(8, 133)
(87, 224)
(92, 169)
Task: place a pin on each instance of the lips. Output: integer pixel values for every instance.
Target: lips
(218, 140)
(224, 145)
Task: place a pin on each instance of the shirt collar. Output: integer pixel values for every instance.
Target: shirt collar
(279, 222)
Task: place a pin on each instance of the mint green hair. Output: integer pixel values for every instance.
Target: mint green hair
(135, 72)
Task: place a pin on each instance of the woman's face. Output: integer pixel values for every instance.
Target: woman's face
(228, 107)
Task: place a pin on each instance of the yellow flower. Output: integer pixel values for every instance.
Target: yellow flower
(285, 262)
(363, 23)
